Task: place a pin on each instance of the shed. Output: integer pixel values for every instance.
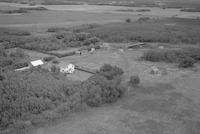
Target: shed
(37, 63)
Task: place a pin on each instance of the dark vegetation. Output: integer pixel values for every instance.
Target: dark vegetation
(49, 58)
(149, 30)
(12, 60)
(61, 3)
(37, 95)
(128, 20)
(143, 10)
(134, 80)
(125, 10)
(144, 30)
(34, 8)
(186, 57)
(23, 10)
(61, 38)
(190, 10)
(13, 11)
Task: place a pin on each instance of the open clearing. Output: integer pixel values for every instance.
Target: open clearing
(163, 104)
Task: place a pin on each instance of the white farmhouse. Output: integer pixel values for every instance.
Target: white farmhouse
(69, 69)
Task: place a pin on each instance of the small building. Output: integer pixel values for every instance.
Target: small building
(37, 63)
(92, 50)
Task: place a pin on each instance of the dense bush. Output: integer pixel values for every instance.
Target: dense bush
(20, 65)
(186, 57)
(41, 43)
(15, 59)
(17, 53)
(102, 90)
(128, 20)
(49, 58)
(134, 80)
(153, 31)
(110, 72)
(187, 62)
(55, 61)
(4, 62)
(78, 39)
(164, 55)
(143, 19)
(30, 94)
(91, 41)
(15, 32)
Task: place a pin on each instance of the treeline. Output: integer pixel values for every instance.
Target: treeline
(12, 60)
(38, 96)
(149, 30)
(59, 39)
(23, 10)
(185, 57)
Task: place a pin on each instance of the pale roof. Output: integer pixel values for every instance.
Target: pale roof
(37, 63)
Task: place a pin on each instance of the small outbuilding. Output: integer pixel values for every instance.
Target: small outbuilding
(92, 50)
(37, 63)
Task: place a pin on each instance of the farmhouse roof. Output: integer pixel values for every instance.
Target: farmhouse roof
(37, 63)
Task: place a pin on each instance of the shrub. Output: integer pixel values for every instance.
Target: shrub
(110, 72)
(165, 55)
(128, 20)
(55, 69)
(55, 61)
(186, 62)
(18, 53)
(1, 77)
(49, 58)
(99, 89)
(5, 62)
(134, 80)
(20, 65)
(92, 40)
